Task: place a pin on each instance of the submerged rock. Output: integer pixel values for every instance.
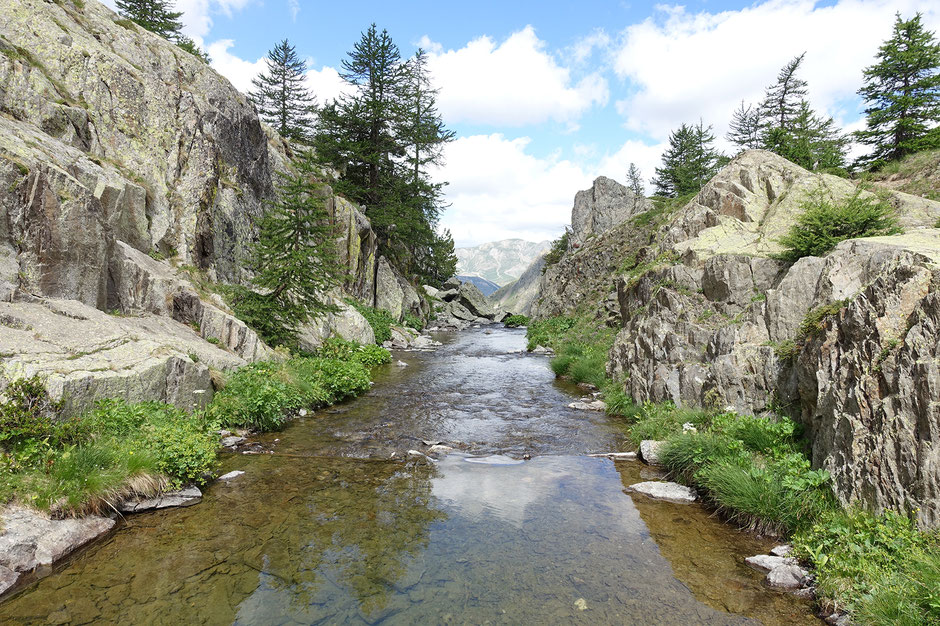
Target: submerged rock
(231, 475)
(673, 492)
(493, 459)
(765, 563)
(596, 405)
(183, 497)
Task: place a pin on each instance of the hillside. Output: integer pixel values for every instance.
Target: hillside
(500, 262)
(708, 317)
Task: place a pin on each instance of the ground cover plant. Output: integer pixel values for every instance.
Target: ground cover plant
(380, 320)
(515, 321)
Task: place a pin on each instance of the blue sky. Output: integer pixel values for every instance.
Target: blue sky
(545, 96)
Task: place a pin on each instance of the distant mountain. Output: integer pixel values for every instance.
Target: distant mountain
(499, 261)
(517, 297)
(486, 286)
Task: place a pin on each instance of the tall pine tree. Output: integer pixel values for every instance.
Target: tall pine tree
(295, 259)
(902, 91)
(689, 161)
(280, 95)
(635, 183)
(744, 130)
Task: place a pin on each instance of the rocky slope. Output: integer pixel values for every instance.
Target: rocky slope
(131, 179)
(500, 262)
(708, 317)
(518, 296)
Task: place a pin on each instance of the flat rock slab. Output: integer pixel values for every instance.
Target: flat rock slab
(8, 578)
(649, 451)
(616, 456)
(493, 459)
(30, 539)
(183, 497)
(782, 550)
(766, 562)
(231, 475)
(597, 405)
(672, 492)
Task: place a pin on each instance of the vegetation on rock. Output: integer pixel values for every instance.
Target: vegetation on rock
(515, 321)
(823, 223)
(557, 250)
(380, 320)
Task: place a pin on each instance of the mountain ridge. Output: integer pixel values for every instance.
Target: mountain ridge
(500, 262)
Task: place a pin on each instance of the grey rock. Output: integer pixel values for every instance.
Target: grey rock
(786, 576)
(439, 449)
(431, 291)
(346, 323)
(475, 302)
(605, 205)
(616, 456)
(231, 475)
(8, 578)
(31, 540)
(765, 562)
(649, 451)
(782, 550)
(597, 405)
(451, 283)
(542, 350)
(184, 497)
(672, 492)
(388, 291)
(232, 441)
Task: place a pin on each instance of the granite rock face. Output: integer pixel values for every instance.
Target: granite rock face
(708, 317)
(605, 205)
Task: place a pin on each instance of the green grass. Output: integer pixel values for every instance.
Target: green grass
(515, 321)
(369, 356)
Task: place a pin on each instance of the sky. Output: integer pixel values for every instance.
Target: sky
(545, 96)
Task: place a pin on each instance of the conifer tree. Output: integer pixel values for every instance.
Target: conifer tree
(635, 183)
(902, 91)
(295, 259)
(689, 161)
(744, 130)
(280, 95)
(154, 15)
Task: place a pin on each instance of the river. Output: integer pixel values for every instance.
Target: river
(327, 529)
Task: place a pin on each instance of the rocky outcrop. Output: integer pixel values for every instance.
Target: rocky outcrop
(31, 542)
(459, 305)
(346, 323)
(388, 291)
(605, 205)
(848, 341)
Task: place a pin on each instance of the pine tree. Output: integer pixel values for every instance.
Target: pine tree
(744, 130)
(689, 161)
(788, 125)
(154, 15)
(280, 95)
(295, 259)
(902, 91)
(635, 182)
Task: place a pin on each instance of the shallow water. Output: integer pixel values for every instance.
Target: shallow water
(328, 530)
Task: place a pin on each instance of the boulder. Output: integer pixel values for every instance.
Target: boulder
(649, 451)
(787, 576)
(451, 283)
(765, 563)
(388, 292)
(431, 291)
(658, 490)
(346, 323)
(230, 475)
(475, 302)
(595, 405)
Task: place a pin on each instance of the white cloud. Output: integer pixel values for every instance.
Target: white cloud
(294, 6)
(326, 84)
(237, 70)
(197, 20)
(514, 83)
(687, 65)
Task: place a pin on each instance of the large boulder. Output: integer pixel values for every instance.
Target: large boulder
(605, 205)
(388, 291)
(475, 302)
(346, 323)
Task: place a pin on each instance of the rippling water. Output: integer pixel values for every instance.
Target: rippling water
(329, 530)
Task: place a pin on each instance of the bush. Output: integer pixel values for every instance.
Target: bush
(619, 403)
(515, 321)
(812, 324)
(412, 321)
(256, 396)
(548, 332)
(822, 224)
(27, 412)
(339, 348)
(557, 250)
(380, 320)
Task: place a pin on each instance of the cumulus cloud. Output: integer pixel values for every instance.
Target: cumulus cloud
(513, 83)
(685, 65)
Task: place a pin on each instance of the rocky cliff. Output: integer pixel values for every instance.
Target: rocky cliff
(131, 179)
(846, 343)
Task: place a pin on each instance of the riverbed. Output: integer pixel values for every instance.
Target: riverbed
(337, 524)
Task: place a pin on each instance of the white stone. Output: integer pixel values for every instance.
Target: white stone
(673, 492)
(231, 475)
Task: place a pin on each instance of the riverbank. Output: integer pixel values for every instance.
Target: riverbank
(65, 480)
(755, 472)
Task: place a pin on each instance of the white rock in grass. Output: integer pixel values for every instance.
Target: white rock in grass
(649, 451)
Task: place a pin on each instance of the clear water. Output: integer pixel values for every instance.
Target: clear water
(328, 530)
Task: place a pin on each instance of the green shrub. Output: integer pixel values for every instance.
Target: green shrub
(619, 403)
(257, 396)
(684, 454)
(515, 321)
(339, 348)
(812, 324)
(380, 320)
(548, 332)
(908, 595)
(557, 250)
(870, 563)
(183, 447)
(27, 411)
(412, 321)
(787, 350)
(822, 224)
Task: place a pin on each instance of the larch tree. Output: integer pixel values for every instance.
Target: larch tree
(744, 130)
(157, 17)
(689, 161)
(902, 91)
(635, 183)
(280, 95)
(295, 260)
